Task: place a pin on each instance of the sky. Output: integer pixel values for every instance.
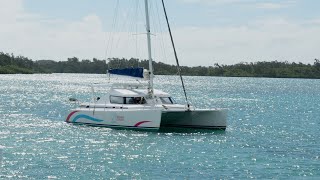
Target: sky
(205, 31)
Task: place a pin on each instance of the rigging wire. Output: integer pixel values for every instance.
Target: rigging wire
(159, 51)
(111, 33)
(161, 35)
(132, 39)
(176, 56)
(125, 39)
(130, 27)
(158, 43)
(140, 31)
(122, 27)
(136, 31)
(153, 33)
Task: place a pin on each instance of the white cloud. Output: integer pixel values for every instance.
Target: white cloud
(273, 5)
(315, 21)
(10, 8)
(268, 39)
(9, 11)
(270, 5)
(217, 2)
(33, 36)
(261, 41)
(247, 3)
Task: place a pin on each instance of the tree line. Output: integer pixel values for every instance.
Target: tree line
(10, 64)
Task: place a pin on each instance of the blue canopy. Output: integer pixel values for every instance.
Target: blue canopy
(133, 72)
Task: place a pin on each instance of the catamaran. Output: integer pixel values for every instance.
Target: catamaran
(140, 106)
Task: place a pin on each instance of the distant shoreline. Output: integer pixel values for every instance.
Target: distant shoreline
(10, 64)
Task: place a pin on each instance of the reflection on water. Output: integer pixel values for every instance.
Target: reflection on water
(272, 131)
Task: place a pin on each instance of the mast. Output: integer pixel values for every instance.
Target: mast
(150, 86)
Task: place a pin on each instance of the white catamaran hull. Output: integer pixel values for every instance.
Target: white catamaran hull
(150, 119)
(142, 119)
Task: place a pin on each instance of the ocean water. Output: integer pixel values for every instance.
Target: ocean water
(273, 131)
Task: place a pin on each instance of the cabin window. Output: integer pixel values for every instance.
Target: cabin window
(140, 100)
(116, 100)
(130, 100)
(135, 100)
(127, 100)
(167, 100)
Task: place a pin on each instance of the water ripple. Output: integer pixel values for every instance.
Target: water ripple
(272, 132)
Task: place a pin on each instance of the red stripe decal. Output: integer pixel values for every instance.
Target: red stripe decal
(69, 116)
(139, 123)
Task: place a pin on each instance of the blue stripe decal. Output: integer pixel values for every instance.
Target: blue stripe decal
(114, 126)
(86, 117)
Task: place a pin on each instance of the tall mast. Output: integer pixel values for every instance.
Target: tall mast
(149, 49)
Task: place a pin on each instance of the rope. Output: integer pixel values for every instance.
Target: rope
(176, 57)
(108, 51)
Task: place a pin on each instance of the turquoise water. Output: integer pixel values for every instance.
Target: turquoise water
(273, 132)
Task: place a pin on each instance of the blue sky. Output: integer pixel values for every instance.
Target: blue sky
(185, 12)
(206, 31)
(198, 11)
